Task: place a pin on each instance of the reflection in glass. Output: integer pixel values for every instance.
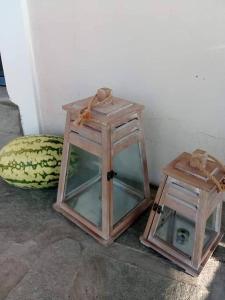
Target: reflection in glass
(128, 184)
(83, 185)
(176, 230)
(179, 231)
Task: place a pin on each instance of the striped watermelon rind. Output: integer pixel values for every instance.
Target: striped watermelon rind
(32, 161)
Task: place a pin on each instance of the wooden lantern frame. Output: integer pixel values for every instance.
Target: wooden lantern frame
(193, 198)
(104, 135)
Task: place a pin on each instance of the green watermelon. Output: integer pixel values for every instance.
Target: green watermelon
(32, 161)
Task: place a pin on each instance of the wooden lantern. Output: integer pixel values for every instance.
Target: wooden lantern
(185, 220)
(103, 185)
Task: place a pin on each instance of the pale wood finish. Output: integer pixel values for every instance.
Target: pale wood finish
(63, 168)
(179, 206)
(195, 199)
(111, 128)
(212, 204)
(125, 142)
(125, 129)
(80, 222)
(157, 199)
(107, 201)
(130, 218)
(156, 217)
(200, 231)
(143, 155)
(89, 146)
(184, 194)
(181, 195)
(105, 115)
(166, 248)
(219, 216)
(173, 172)
(188, 269)
(89, 133)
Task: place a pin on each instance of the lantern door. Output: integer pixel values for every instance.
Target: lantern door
(174, 227)
(83, 187)
(128, 186)
(103, 185)
(173, 221)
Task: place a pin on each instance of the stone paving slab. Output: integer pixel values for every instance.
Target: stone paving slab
(44, 256)
(97, 275)
(11, 273)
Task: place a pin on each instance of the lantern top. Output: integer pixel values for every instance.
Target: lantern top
(181, 169)
(107, 112)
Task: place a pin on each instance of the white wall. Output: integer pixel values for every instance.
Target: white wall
(168, 55)
(16, 53)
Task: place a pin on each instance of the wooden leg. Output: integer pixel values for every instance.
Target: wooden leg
(144, 158)
(107, 201)
(65, 154)
(200, 231)
(152, 213)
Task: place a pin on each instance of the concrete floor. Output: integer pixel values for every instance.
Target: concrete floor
(43, 256)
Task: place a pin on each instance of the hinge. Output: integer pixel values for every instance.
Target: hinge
(158, 208)
(111, 174)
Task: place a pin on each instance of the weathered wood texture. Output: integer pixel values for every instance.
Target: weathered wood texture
(186, 192)
(112, 127)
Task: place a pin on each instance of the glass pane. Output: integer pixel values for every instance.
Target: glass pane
(176, 230)
(210, 230)
(83, 185)
(128, 184)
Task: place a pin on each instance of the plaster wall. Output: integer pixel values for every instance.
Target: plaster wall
(167, 55)
(17, 58)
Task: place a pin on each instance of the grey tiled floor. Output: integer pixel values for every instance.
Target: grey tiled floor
(44, 256)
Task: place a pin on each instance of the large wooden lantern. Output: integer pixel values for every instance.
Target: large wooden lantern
(103, 184)
(184, 223)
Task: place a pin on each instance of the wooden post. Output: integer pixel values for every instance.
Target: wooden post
(157, 199)
(107, 204)
(200, 230)
(63, 168)
(143, 157)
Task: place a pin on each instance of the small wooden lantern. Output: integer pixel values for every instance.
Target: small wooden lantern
(185, 220)
(103, 185)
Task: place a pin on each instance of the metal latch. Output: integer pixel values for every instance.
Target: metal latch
(158, 208)
(111, 174)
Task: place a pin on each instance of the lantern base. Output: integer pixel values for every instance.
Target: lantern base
(187, 268)
(97, 234)
(82, 226)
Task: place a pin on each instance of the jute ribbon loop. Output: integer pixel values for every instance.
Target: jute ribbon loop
(103, 96)
(199, 160)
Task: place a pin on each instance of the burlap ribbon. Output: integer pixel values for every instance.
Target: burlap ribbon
(103, 96)
(199, 160)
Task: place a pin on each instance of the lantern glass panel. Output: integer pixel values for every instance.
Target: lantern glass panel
(128, 184)
(176, 230)
(83, 185)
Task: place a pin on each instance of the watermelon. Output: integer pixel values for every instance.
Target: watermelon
(32, 161)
